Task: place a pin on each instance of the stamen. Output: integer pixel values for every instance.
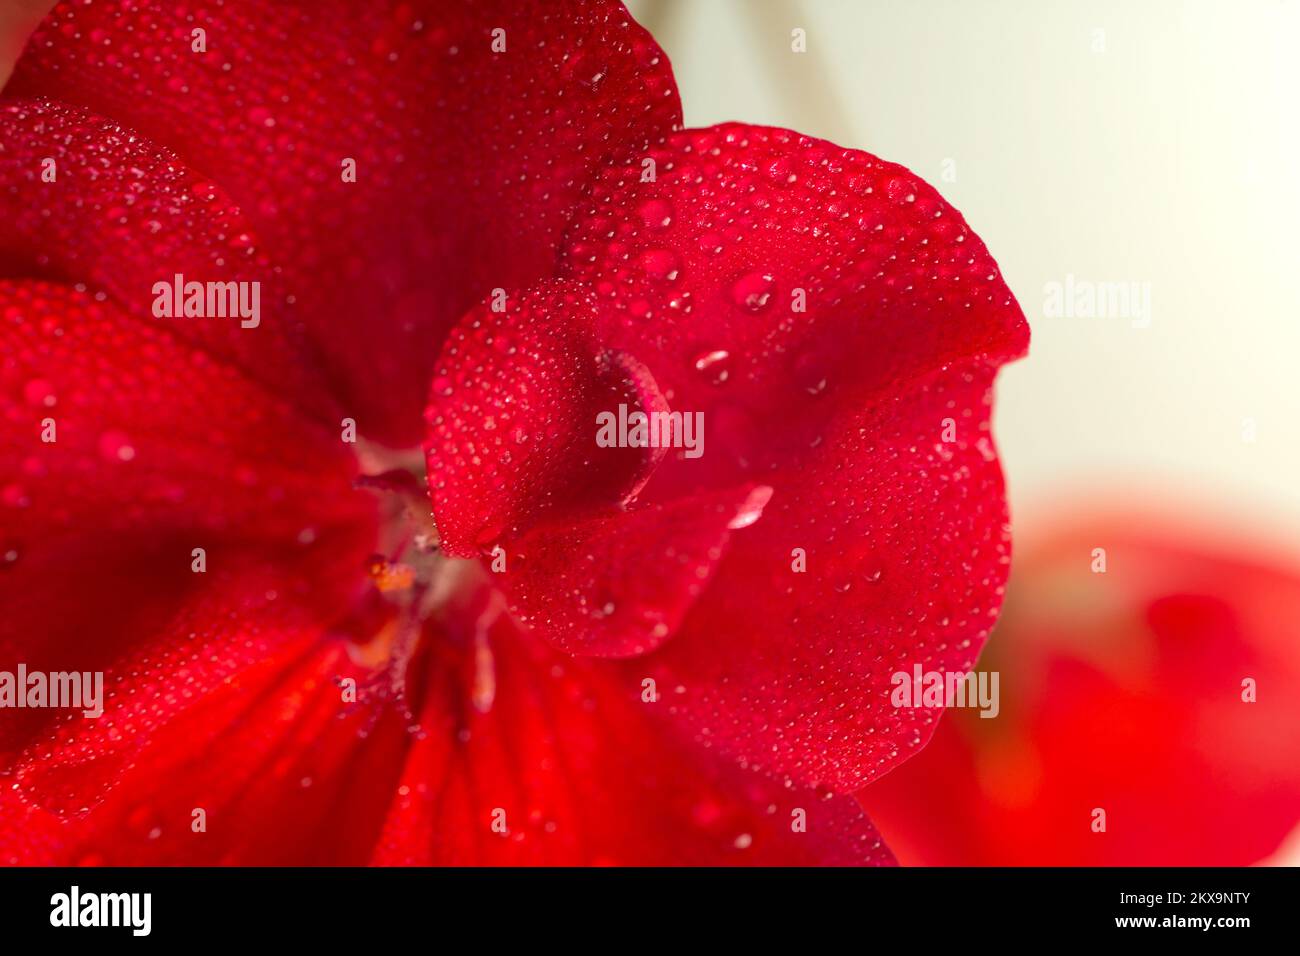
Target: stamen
(485, 672)
(390, 576)
(417, 581)
(407, 569)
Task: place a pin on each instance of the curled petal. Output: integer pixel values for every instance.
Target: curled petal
(513, 419)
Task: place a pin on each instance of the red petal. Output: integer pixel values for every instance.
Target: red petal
(702, 274)
(842, 409)
(467, 160)
(867, 413)
(231, 707)
(122, 214)
(512, 419)
(158, 449)
(577, 772)
(906, 549)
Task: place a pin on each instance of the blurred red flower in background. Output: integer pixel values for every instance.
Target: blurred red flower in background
(835, 321)
(1124, 691)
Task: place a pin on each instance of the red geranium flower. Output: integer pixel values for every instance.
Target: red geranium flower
(1159, 692)
(590, 654)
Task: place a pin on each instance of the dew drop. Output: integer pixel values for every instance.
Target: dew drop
(811, 373)
(711, 243)
(781, 171)
(656, 213)
(116, 446)
(15, 496)
(660, 264)
(40, 392)
(714, 365)
(753, 291)
(752, 509)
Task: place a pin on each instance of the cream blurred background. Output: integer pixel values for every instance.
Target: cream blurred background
(1154, 142)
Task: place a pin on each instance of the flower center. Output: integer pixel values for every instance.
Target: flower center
(414, 584)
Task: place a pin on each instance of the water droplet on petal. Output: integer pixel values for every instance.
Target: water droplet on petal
(752, 509)
(15, 496)
(656, 213)
(116, 446)
(660, 264)
(714, 365)
(753, 291)
(40, 392)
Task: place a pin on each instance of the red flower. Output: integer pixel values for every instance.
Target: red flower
(378, 169)
(1159, 692)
